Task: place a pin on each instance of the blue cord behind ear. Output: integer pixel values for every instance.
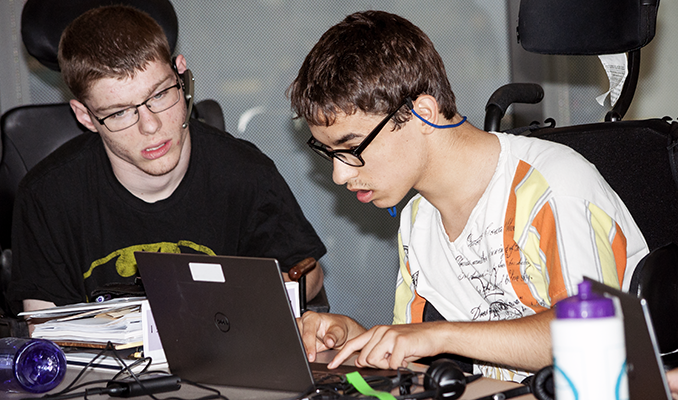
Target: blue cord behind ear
(439, 126)
(410, 105)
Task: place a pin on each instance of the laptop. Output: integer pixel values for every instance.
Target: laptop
(225, 320)
(646, 375)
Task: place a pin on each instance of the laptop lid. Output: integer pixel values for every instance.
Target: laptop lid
(646, 375)
(225, 320)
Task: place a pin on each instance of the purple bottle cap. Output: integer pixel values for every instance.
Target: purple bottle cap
(585, 304)
(39, 366)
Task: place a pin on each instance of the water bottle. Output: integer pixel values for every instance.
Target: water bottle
(589, 353)
(30, 365)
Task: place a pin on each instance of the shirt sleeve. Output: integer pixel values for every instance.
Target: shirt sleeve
(277, 227)
(38, 270)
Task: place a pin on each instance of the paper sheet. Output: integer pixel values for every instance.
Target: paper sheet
(616, 67)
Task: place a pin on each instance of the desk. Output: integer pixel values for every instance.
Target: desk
(479, 388)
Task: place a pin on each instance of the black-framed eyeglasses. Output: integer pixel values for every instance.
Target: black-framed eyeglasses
(352, 156)
(159, 102)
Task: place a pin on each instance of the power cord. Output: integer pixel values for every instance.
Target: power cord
(127, 383)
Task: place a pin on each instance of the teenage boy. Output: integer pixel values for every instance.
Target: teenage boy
(147, 179)
(502, 228)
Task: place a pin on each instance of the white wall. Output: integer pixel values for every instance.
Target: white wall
(657, 92)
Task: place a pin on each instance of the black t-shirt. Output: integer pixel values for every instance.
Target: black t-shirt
(76, 227)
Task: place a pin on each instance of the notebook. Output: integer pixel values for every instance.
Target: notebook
(646, 376)
(225, 320)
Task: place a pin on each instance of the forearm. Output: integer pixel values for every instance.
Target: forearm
(523, 343)
(314, 281)
(33, 304)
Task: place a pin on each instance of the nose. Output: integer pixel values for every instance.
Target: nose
(341, 172)
(149, 123)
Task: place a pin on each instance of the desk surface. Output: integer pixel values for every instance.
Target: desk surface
(479, 388)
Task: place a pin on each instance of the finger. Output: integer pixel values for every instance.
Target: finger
(308, 326)
(368, 357)
(399, 352)
(349, 348)
(335, 336)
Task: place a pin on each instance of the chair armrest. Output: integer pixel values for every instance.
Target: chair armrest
(302, 268)
(298, 273)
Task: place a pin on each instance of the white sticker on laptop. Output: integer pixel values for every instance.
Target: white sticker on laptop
(207, 272)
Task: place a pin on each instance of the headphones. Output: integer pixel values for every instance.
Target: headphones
(444, 380)
(187, 85)
(539, 384)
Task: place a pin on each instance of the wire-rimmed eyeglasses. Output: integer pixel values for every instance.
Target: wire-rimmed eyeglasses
(159, 102)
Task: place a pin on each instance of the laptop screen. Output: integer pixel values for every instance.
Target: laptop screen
(225, 320)
(646, 375)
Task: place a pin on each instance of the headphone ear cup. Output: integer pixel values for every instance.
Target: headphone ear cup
(542, 384)
(445, 378)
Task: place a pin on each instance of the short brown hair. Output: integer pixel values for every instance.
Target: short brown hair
(371, 61)
(109, 42)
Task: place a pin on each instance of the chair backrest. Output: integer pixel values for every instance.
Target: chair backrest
(585, 27)
(656, 280)
(42, 23)
(29, 134)
(637, 160)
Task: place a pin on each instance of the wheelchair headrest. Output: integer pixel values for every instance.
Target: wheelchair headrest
(586, 27)
(42, 23)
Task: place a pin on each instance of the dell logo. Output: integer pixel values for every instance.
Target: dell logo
(221, 322)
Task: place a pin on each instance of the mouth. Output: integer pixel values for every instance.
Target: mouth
(151, 153)
(364, 196)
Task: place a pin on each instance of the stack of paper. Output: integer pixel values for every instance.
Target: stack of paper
(118, 321)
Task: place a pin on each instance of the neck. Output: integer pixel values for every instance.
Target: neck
(147, 187)
(462, 163)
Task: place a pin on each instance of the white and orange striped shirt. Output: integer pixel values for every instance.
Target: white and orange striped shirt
(546, 219)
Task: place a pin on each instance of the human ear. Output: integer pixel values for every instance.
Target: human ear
(82, 114)
(427, 107)
(180, 62)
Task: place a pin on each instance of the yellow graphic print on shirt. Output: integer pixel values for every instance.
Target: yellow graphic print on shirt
(126, 265)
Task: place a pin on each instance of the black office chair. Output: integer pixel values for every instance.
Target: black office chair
(637, 158)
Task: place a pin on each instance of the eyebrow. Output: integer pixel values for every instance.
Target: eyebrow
(121, 106)
(347, 137)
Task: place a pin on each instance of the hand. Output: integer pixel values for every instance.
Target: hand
(393, 346)
(321, 331)
(672, 379)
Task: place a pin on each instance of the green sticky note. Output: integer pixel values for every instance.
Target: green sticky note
(355, 379)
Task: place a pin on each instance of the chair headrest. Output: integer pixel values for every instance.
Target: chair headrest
(42, 23)
(586, 27)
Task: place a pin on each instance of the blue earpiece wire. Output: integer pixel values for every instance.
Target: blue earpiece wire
(439, 126)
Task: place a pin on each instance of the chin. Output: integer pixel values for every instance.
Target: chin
(160, 170)
(382, 204)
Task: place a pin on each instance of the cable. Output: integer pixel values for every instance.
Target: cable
(127, 387)
(439, 126)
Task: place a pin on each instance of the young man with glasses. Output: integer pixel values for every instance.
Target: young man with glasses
(503, 226)
(147, 180)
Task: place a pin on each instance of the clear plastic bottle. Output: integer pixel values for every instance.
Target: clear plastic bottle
(30, 365)
(589, 352)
